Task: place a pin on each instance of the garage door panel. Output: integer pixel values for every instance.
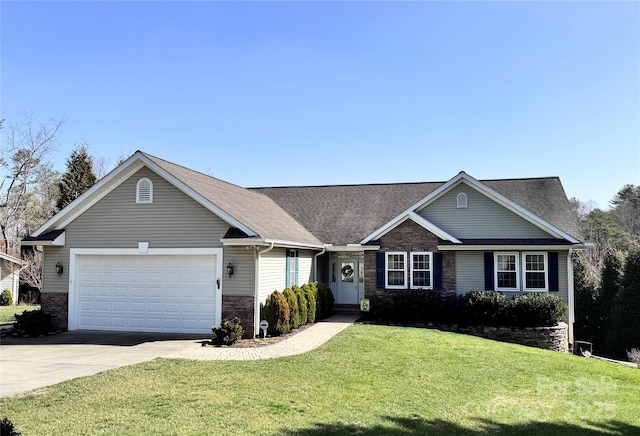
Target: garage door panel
(146, 293)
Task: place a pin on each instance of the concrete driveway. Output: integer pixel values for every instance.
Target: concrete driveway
(30, 363)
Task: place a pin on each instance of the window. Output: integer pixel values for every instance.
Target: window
(461, 200)
(535, 271)
(292, 268)
(144, 191)
(396, 270)
(421, 270)
(507, 271)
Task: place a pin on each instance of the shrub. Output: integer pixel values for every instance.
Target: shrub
(535, 310)
(484, 308)
(634, 356)
(294, 311)
(7, 428)
(229, 332)
(303, 310)
(276, 312)
(325, 296)
(311, 294)
(6, 299)
(34, 322)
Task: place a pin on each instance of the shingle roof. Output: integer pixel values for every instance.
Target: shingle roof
(255, 210)
(346, 214)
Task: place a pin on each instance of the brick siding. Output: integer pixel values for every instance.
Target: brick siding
(242, 307)
(57, 305)
(408, 237)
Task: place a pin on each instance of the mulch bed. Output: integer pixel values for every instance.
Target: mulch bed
(261, 342)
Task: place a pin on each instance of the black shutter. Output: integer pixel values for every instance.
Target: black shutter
(437, 271)
(554, 285)
(380, 270)
(488, 271)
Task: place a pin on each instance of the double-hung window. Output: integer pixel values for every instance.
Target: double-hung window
(292, 268)
(421, 270)
(535, 271)
(396, 270)
(507, 272)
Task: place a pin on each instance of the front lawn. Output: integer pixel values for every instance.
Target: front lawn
(7, 312)
(368, 380)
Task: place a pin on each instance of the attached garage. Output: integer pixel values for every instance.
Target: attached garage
(156, 291)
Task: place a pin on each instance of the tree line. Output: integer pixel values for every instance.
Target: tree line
(607, 276)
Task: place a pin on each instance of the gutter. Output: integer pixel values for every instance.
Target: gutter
(256, 297)
(570, 294)
(315, 261)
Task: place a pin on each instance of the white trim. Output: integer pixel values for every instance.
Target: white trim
(480, 187)
(495, 270)
(422, 222)
(59, 241)
(570, 294)
(386, 269)
(143, 247)
(261, 242)
(77, 206)
(133, 164)
(138, 199)
(12, 259)
(546, 271)
(73, 272)
(504, 247)
(430, 255)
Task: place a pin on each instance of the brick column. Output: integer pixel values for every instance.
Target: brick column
(56, 304)
(242, 307)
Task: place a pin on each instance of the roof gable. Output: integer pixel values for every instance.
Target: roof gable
(253, 213)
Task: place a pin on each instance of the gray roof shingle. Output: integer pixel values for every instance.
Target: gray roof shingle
(346, 214)
(253, 209)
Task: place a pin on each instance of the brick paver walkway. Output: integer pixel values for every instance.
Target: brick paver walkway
(302, 342)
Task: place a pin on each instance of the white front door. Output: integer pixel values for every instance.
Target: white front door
(350, 281)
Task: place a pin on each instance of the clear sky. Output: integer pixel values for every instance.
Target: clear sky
(315, 93)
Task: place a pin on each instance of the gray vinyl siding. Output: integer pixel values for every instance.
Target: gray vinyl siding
(470, 273)
(482, 219)
(173, 220)
(243, 281)
(273, 267)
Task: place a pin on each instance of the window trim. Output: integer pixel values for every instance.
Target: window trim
(292, 267)
(496, 270)
(430, 255)
(524, 271)
(142, 180)
(387, 270)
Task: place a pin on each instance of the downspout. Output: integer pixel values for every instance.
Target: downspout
(570, 294)
(256, 298)
(315, 262)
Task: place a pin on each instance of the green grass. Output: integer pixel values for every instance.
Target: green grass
(367, 380)
(7, 312)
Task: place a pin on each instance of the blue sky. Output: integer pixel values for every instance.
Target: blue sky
(308, 93)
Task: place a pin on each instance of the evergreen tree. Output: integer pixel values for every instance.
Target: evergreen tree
(78, 178)
(625, 317)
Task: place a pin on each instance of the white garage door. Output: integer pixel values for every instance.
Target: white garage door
(160, 293)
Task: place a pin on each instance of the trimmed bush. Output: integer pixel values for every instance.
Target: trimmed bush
(325, 297)
(276, 312)
(294, 311)
(8, 429)
(487, 308)
(484, 308)
(535, 310)
(6, 299)
(229, 332)
(311, 294)
(302, 304)
(34, 322)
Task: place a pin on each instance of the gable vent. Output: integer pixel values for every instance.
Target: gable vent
(144, 191)
(462, 200)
